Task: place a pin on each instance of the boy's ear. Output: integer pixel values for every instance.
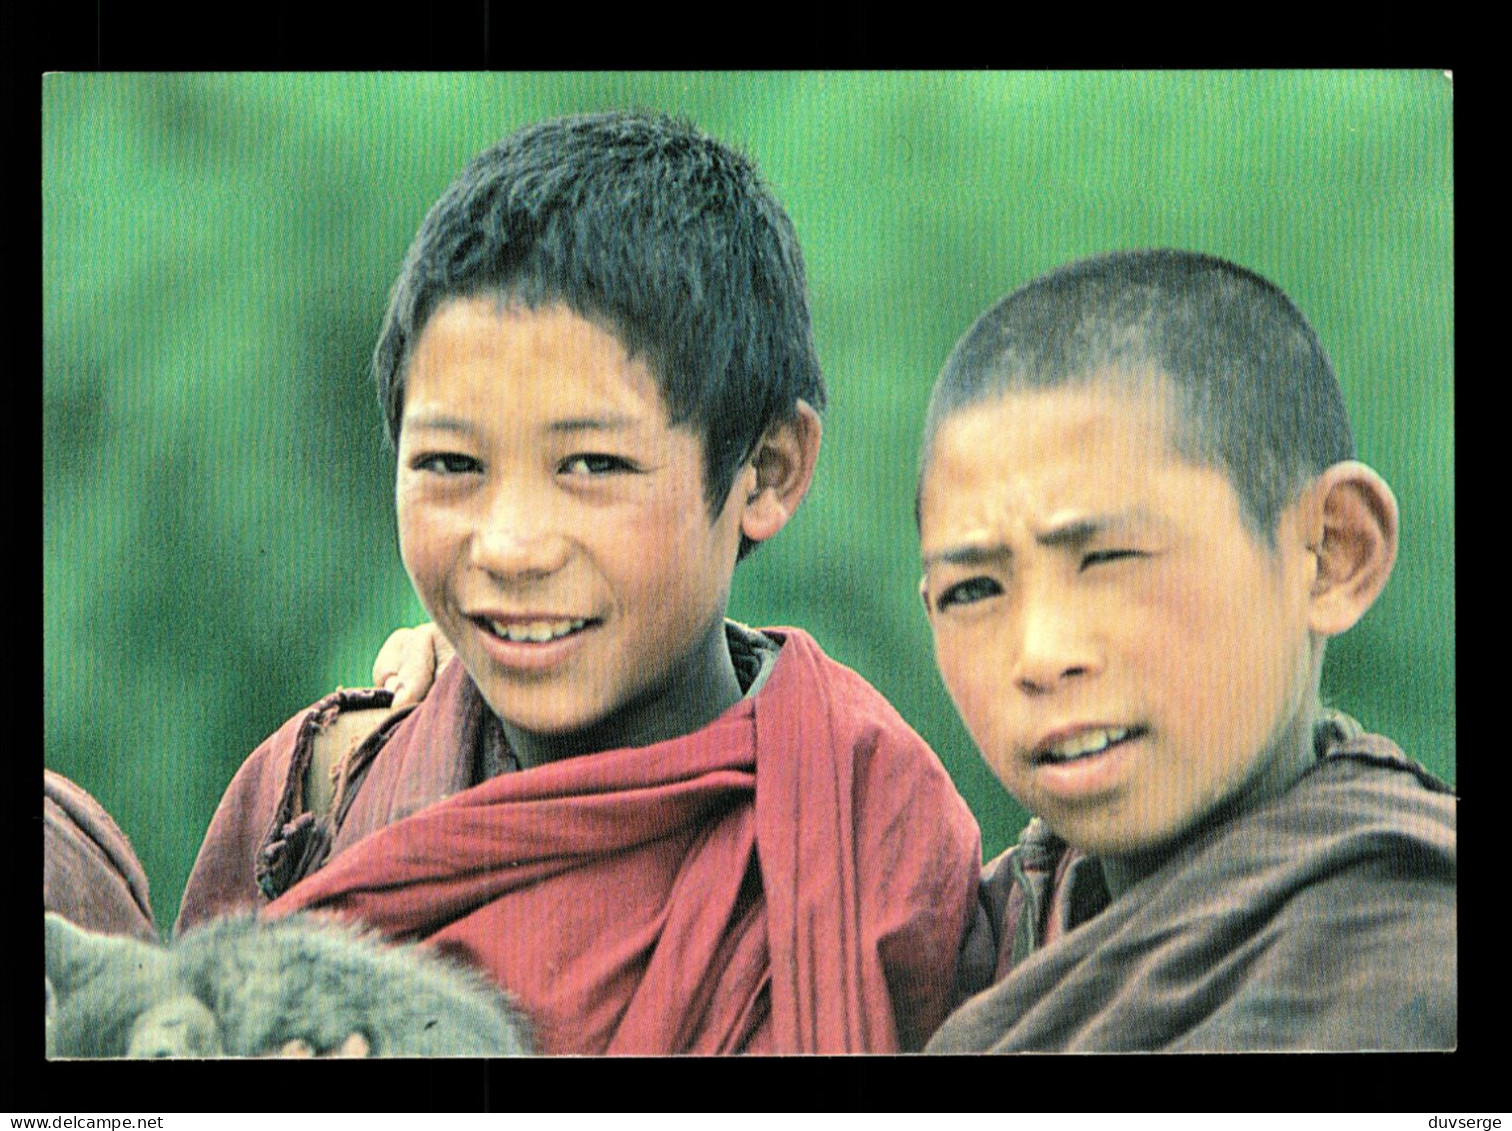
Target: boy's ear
(781, 470)
(1351, 518)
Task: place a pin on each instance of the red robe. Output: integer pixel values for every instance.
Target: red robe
(797, 876)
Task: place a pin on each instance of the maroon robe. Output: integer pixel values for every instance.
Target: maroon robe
(795, 876)
(90, 875)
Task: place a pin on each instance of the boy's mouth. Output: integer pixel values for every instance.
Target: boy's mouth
(1084, 744)
(538, 631)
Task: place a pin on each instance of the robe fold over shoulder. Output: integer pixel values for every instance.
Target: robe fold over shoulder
(796, 876)
(90, 875)
(1323, 919)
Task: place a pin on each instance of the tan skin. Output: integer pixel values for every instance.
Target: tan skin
(1128, 654)
(1080, 577)
(410, 659)
(554, 523)
(766, 491)
(354, 1046)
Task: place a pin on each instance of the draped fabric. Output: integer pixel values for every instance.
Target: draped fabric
(1323, 919)
(794, 877)
(90, 875)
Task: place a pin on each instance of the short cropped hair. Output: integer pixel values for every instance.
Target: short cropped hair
(641, 224)
(1254, 388)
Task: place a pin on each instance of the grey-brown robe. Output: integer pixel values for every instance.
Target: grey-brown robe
(1322, 919)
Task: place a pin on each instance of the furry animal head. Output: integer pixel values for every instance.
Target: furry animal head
(240, 986)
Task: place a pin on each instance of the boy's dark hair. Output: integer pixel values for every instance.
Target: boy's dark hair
(1255, 391)
(663, 236)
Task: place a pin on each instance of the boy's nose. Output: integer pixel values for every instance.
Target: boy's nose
(518, 541)
(514, 553)
(1054, 648)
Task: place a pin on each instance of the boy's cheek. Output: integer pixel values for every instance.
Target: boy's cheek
(983, 704)
(419, 551)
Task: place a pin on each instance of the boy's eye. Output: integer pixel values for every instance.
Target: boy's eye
(1098, 557)
(594, 463)
(968, 592)
(445, 463)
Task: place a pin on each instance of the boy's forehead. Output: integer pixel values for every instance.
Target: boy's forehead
(1138, 412)
(1043, 454)
(484, 336)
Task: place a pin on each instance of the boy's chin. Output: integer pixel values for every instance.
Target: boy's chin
(1093, 838)
(545, 721)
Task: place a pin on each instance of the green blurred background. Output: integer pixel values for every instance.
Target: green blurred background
(218, 522)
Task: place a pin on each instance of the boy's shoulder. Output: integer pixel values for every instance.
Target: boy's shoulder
(90, 873)
(813, 699)
(263, 833)
(805, 672)
(1363, 799)
(1354, 876)
(1322, 919)
(1347, 751)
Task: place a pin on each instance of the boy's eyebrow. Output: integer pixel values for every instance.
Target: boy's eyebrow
(440, 422)
(1072, 532)
(969, 555)
(1081, 529)
(612, 422)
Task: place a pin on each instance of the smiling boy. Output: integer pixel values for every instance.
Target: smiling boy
(1140, 521)
(587, 496)
(660, 831)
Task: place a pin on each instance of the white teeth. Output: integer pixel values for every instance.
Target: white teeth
(536, 632)
(1088, 742)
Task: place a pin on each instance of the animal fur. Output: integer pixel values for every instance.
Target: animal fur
(240, 986)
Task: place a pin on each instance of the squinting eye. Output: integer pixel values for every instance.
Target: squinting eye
(968, 592)
(1101, 556)
(445, 463)
(593, 463)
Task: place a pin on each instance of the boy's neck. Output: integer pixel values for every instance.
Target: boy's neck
(695, 693)
(1294, 755)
